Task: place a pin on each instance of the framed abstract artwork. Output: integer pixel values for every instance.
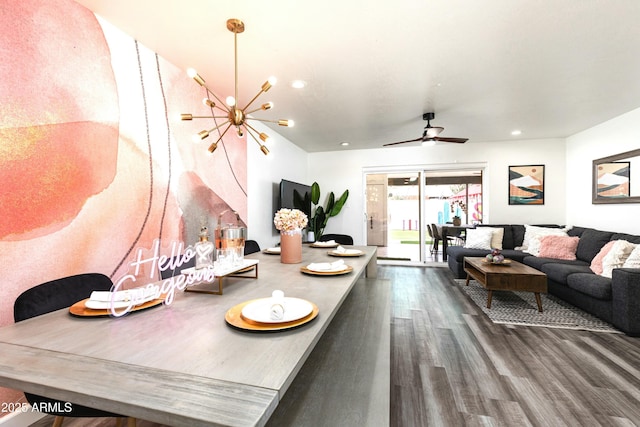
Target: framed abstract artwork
(613, 181)
(526, 185)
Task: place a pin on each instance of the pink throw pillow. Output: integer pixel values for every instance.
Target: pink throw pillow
(558, 247)
(596, 262)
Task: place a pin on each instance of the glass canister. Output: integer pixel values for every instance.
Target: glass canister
(233, 237)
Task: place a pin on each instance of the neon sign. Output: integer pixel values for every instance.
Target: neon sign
(156, 289)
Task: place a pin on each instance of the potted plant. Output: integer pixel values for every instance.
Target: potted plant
(321, 214)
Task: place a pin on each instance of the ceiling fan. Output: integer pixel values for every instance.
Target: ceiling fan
(430, 133)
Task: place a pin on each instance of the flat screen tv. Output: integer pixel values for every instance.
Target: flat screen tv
(294, 195)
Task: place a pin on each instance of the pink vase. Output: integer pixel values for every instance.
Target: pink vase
(291, 247)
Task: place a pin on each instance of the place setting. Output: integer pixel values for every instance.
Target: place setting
(341, 251)
(327, 268)
(273, 313)
(327, 244)
(100, 302)
(272, 251)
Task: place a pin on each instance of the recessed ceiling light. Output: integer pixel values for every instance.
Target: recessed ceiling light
(344, 144)
(298, 84)
(516, 132)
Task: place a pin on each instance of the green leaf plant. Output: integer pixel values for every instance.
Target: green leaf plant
(321, 215)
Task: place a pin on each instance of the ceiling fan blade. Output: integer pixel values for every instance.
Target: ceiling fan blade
(402, 142)
(456, 140)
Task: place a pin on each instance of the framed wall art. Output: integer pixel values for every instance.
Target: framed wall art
(526, 185)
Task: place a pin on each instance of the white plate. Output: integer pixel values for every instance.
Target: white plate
(260, 310)
(272, 251)
(105, 305)
(347, 252)
(329, 244)
(326, 267)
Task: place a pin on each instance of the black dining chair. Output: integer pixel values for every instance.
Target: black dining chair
(172, 272)
(51, 296)
(251, 247)
(434, 242)
(341, 239)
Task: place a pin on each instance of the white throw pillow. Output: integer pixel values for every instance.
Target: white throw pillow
(478, 238)
(532, 234)
(496, 237)
(634, 259)
(616, 257)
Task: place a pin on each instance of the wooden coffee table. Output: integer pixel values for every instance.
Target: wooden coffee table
(511, 276)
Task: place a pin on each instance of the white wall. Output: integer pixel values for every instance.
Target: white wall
(615, 136)
(339, 170)
(285, 161)
(567, 180)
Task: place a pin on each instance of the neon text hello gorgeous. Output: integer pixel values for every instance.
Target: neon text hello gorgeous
(156, 289)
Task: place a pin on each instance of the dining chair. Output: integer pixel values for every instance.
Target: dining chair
(251, 246)
(172, 272)
(51, 296)
(434, 248)
(342, 239)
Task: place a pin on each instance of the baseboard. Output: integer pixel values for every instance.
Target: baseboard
(21, 419)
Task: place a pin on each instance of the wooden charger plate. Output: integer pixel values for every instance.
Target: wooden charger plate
(305, 270)
(234, 318)
(79, 308)
(334, 253)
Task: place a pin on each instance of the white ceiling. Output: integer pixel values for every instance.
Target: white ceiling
(549, 68)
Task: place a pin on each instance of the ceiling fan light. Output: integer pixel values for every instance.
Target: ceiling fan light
(428, 143)
(433, 131)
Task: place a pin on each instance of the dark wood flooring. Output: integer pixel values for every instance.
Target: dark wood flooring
(450, 366)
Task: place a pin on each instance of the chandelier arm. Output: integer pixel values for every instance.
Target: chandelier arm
(263, 148)
(249, 127)
(209, 117)
(235, 54)
(220, 102)
(219, 126)
(223, 133)
(264, 120)
(254, 98)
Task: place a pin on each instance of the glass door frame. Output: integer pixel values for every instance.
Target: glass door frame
(420, 170)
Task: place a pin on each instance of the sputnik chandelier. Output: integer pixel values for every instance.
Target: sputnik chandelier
(235, 116)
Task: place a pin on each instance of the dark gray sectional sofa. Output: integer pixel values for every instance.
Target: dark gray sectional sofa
(615, 300)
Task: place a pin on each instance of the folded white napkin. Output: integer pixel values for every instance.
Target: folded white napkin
(277, 305)
(326, 266)
(341, 250)
(137, 294)
(327, 243)
(276, 249)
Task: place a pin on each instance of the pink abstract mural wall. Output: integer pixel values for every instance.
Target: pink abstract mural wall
(94, 161)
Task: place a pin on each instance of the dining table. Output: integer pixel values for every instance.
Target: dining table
(185, 364)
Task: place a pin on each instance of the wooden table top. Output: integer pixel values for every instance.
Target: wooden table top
(179, 364)
(513, 268)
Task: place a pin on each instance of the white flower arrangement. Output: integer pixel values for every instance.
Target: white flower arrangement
(290, 219)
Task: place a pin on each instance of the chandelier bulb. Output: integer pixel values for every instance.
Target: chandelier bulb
(288, 123)
(231, 101)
